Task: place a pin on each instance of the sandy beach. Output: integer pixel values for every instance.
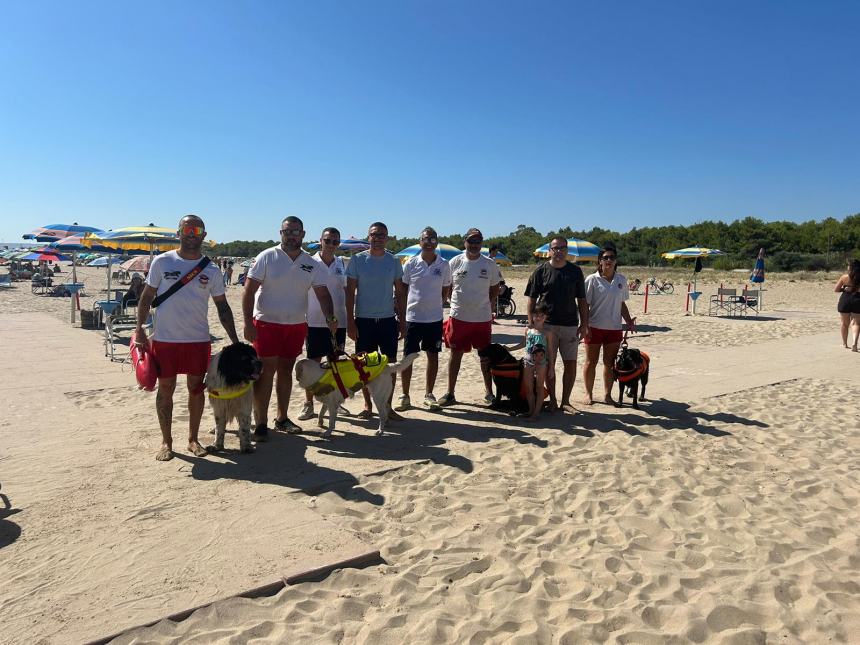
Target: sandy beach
(725, 510)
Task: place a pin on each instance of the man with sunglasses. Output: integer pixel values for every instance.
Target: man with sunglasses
(427, 278)
(561, 285)
(275, 308)
(180, 340)
(374, 294)
(320, 341)
(474, 293)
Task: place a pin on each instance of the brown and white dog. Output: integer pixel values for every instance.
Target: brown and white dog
(229, 382)
(309, 374)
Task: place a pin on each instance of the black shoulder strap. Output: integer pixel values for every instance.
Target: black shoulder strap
(188, 277)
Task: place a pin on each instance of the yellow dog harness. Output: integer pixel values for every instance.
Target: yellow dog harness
(230, 394)
(350, 374)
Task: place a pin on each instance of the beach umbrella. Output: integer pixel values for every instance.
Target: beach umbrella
(149, 238)
(692, 252)
(348, 245)
(74, 244)
(577, 250)
(44, 256)
(104, 261)
(247, 263)
(447, 252)
(758, 269)
(501, 259)
(54, 232)
(140, 263)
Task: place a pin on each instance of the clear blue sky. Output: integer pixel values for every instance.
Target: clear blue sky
(454, 114)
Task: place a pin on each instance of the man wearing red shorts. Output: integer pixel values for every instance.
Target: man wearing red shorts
(474, 291)
(275, 308)
(180, 341)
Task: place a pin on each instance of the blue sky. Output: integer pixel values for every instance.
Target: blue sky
(493, 114)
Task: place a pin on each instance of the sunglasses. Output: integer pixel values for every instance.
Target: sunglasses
(608, 258)
(378, 236)
(330, 241)
(192, 230)
(474, 240)
(558, 248)
(291, 231)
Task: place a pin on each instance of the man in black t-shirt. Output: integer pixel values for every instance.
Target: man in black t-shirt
(560, 285)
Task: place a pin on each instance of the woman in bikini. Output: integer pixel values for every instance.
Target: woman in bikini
(849, 302)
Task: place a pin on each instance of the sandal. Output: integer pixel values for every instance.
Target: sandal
(365, 414)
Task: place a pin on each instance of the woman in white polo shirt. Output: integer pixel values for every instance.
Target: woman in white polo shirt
(606, 292)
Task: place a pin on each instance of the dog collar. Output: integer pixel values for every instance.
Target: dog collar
(230, 394)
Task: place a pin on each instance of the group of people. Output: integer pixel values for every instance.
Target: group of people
(293, 301)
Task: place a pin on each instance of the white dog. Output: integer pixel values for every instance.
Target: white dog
(229, 381)
(313, 376)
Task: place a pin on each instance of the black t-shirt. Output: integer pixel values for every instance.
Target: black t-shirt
(558, 288)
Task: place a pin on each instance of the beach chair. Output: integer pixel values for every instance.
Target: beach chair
(750, 301)
(725, 303)
(117, 324)
(6, 280)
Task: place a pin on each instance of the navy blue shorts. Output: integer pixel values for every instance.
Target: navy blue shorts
(378, 334)
(424, 336)
(318, 342)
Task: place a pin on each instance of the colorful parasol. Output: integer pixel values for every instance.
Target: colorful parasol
(577, 250)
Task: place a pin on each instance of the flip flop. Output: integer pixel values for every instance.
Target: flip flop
(164, 454)
(197, 450)
(365, 414)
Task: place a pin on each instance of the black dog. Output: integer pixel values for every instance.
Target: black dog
(507, 373)
(230, 381)
(631, 369)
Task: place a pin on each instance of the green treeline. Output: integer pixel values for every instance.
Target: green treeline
(809, 246)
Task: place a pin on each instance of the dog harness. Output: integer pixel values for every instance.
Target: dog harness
(350, 374)
(231, 394)
(624, 376)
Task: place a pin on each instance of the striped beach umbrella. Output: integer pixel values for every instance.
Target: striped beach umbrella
(447, 252)
(577, 250)
(43, 255)
(692, 252)
(53, 232)
(104, 261)
(348, 245)
(758, 270)
(501, 259)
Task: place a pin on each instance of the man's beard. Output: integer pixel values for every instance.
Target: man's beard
(292, 245)
(193, 246)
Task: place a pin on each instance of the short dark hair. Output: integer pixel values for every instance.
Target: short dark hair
(378, 225)
(559, 237)
(608, 247)
(431, 230)
(192, 216)
(541, 308)
(330, 229)
(495, 247)
(292, 219)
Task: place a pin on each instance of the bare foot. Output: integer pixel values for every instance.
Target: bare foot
(608, 400)
(196, 449)
(164, 453)
(588, 400)
(567, 407)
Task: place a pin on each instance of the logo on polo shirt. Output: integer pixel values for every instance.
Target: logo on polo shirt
(306, 267)
(437, 271)
(171, 275)
(203, 279)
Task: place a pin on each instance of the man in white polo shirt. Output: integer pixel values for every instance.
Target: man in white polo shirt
(428, 280)
(474, 293)
(275, 307)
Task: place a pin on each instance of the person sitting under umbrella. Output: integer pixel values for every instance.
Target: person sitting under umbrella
(134, 290)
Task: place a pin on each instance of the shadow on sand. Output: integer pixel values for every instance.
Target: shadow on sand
(9, 531)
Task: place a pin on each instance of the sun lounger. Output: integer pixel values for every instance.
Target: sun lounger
(6, 280)
(116, 324)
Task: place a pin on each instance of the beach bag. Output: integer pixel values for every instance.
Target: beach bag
(145, 367)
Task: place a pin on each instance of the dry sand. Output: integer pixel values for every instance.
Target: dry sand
(725, 510)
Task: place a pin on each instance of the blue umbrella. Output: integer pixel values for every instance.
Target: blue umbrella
(348, 245)
(53, 232)
(104, 261)
(758, 270)
(447, 252)
(577, 250)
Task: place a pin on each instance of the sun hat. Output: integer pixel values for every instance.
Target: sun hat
(145, 367)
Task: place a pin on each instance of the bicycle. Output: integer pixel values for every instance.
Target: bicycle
(664, 286)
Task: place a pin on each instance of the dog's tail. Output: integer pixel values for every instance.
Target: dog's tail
(404, 362)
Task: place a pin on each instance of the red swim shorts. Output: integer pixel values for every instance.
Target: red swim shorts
(604, 336)
(278, 340)
(465, 336)
(181, 358)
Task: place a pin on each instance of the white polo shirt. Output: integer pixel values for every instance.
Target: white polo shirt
(183, 317)
(425, 282)
(604, 299)
(472, 279)
(283, 294)
(335, 279)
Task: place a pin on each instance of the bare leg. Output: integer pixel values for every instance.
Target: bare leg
(432, 371)
(368, 403)
(407, 379)
(263, 390)
(550, 372)
(568, 376)
(592, 353)
(610, 351)
(529, 382)
(846, 321)
(488, 377)
(284, 385)
(540, 381)
(454, 369)
(856, 322)
(196, 402)
(164, 408)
